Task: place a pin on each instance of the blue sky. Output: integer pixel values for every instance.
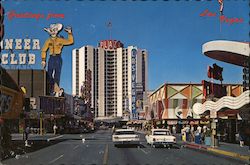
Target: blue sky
(172, 31)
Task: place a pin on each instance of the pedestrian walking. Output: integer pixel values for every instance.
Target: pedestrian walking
(187, 130)
(241, 136)
(27, 131)
(174, 129)
(168, 128)
(192, 133)
(199, 129)
(113, 129)
(197, 139)
(183, 133)
(54, 128)
(204, 130)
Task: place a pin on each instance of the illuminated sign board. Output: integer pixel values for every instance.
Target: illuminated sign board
(212, 89)
(1, 22)
(110, 44)
(133, 82)
(13, 58)
(5, 103)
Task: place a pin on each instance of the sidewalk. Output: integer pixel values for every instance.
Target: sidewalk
(225, 149)
(33, 136)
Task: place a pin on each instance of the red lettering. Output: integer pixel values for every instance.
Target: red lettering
(222, 18)
(211, 14)
(110, 44)
(114, 44)
(230, 20)
(241, 20)
(106, 44)
(207, 13)
(204, 13)
(55, 16)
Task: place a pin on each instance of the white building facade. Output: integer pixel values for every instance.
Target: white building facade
(119, 78)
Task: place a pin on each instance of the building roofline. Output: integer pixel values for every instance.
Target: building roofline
(183, 84)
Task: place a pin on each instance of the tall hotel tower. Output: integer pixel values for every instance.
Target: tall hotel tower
(117, 76)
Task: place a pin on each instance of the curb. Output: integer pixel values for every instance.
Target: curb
(217, 151)
(231, 154)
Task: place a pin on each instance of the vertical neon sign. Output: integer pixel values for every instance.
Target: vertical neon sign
(1, 22)
(133, 83)
(1, 37)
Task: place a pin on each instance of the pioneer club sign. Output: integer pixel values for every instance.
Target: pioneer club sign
(16, 51)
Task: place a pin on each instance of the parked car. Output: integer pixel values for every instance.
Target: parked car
(103, 127)
(160, 137)
(124, 137)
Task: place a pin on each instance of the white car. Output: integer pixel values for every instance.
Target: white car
(125, 136)
(160, 137)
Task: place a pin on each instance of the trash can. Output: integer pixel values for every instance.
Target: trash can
(197, 139)
(208, 141)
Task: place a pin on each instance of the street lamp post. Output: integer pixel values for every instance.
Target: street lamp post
(41, 123)
(214, 139)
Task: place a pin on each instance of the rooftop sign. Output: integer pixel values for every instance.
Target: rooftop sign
(110, 44)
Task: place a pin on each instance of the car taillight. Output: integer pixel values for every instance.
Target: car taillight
(174, 139)
(154, 139)
(116, 137)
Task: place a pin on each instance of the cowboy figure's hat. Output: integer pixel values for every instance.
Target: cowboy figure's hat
(54, 28)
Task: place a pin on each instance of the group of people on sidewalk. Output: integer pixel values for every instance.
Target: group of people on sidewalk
(190, 134)
(28, 130)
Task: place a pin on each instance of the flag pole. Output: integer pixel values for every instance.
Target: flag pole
(220, 22)
(109, 25)
(221, 11)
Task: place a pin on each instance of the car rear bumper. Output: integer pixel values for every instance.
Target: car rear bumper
(163, 143)
(125, 142)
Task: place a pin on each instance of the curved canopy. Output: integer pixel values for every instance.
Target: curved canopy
(232, 52)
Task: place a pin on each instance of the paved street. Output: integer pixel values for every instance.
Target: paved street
(97, 148)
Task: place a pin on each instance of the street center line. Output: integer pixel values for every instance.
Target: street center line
(75, 147)
(105, 156)
(53, 138)
(52, 161)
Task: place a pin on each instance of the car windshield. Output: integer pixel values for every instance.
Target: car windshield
(124, 133)
(161, 133)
